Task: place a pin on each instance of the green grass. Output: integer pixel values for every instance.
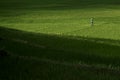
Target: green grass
(60, 31)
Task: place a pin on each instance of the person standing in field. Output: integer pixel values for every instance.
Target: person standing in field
(92, 21)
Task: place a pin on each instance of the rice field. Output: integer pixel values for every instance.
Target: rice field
(49, 40)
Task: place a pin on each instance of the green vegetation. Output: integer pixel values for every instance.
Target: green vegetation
(54, 40)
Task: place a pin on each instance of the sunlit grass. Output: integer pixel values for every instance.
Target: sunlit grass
(76, 22)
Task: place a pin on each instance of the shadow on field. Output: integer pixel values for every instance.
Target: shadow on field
(61, 48)
(54, 4)
(16, 7)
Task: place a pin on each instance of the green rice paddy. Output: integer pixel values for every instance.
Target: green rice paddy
(54, 40)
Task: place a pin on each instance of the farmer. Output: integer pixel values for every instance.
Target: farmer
(92, 22)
